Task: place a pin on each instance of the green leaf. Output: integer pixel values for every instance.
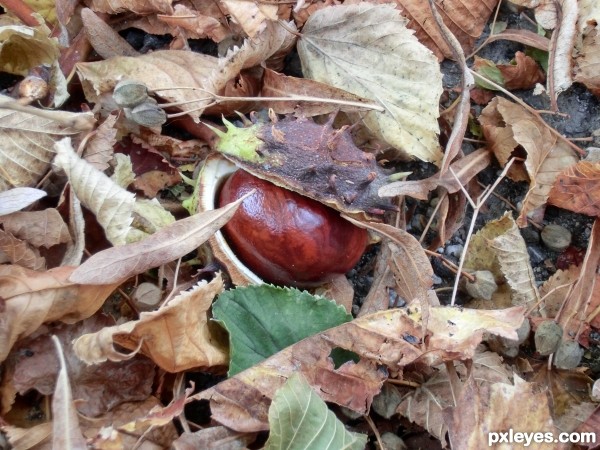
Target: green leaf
(487, 69)
(262, 320)
(299, 419)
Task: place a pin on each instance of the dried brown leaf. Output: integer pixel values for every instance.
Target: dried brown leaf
(65, 431)
(554, 291)
(112, 205)
(547, 155)
(425, 405)
(37, 437)
(141, 7)
(368, 50)
(523, 74)
(464, 169)
(278, 85)
(39, 228)
(17, 199)
(561, 49)
(198, 24)
(33, 364)
(578, 304)
(218, 437)
(409, 263)
(176, 337)
(577, 189)
(172, 242)
(20, 253)
(105, 40)
(465, 19)
(588, 62)
(99, 149)
(499, 406)
(28, 142)
(500, 248)
(33, 298)
(511, 251)
(251, 16)
(387, 337)
(105, 431)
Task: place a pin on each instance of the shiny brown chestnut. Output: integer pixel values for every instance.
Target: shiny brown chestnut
(286, 238)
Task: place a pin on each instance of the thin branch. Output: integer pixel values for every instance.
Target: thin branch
(531, 110)
(476, 208)
(295, 98)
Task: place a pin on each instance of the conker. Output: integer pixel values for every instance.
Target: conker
(286, 238)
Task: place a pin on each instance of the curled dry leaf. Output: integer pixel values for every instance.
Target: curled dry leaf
(17, 199)
(28, 142)
(23, 48)
(578, 304)
(389, 338)
(587, 61)
(33, 298)
(172, 242)
(176, 337)
(65, 430)
(111, 204)
(99, 149)
(367, 50)
(500, 248)
(561, 49)
(577, 189)
(464, 170)
(506, 124)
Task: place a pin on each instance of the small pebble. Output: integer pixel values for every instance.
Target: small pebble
(556, 237)
(436, 279)
(454, 250)
(593, 154)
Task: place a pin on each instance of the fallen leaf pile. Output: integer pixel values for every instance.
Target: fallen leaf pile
(127, 321)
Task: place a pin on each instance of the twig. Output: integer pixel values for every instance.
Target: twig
(435, 210)
(375, 431)
(543, 299)
(295, 98)
(531, 110)
(476, 207)
(450, 265)
(484, 43)
(461, 118)
(22, 11)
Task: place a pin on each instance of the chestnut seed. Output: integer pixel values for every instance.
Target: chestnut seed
(286, 238)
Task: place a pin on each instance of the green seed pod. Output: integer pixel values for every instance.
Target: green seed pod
(547, 337)
(130, 93)
(148, 114)
(568, 355)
